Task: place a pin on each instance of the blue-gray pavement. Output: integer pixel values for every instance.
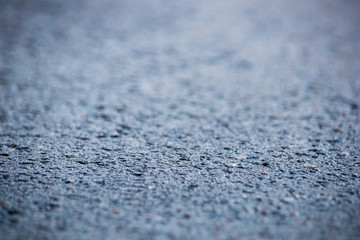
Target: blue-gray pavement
(179, 119)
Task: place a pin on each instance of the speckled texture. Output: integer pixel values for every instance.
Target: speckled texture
(179, 119)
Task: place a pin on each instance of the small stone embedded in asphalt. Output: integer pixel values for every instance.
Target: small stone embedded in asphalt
(288, 200)
(179, 119)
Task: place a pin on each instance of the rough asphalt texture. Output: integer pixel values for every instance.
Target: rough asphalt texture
(179, 119)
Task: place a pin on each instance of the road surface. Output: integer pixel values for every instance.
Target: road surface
(179, 119)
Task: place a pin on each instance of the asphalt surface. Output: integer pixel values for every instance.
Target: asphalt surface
(179, 119)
